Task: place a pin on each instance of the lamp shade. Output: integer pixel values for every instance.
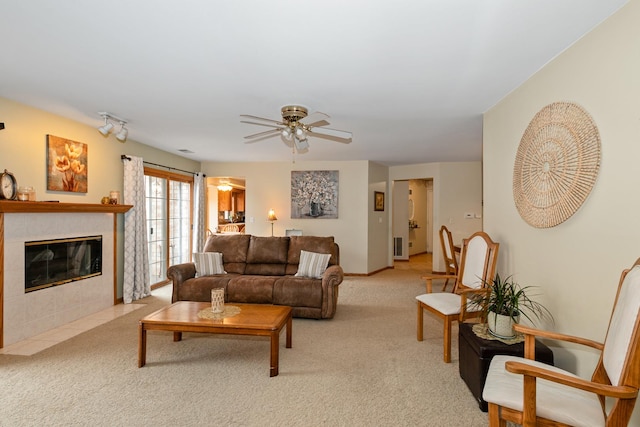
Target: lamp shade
(272, 215)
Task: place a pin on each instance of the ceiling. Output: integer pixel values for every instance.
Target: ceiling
(411, 79)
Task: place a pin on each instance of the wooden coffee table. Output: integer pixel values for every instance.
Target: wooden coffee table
(253, 319)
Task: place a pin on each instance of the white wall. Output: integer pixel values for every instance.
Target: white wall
(268, 185)
(577, 263)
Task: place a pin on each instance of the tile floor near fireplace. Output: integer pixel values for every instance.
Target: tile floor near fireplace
(55, 336)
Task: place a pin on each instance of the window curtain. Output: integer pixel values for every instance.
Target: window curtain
(136, 257)
(198, 211)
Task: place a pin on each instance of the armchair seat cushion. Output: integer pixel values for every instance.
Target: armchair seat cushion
(446, 303)
(554, 401)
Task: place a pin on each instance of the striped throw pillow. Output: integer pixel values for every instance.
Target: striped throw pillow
(312, 264)
(208, 263)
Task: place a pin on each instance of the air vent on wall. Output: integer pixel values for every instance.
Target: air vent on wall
(397, 246)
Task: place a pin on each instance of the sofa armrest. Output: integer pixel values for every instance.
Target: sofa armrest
(331, 278)
(178, 274)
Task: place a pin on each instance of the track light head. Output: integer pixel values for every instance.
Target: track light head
(122, 135)
(106, 129)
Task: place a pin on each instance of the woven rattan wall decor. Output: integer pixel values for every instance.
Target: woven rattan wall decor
(556, 164)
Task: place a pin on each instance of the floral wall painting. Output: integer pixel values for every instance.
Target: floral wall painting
(66, 165)
(314, 194)
(378, 201)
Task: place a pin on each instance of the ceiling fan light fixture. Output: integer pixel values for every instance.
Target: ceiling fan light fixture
(300, 133)
(301, 145)
(286, 133)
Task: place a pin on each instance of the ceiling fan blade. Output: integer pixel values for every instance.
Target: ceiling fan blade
(260, 124)
(265, 134)
(332, 134)
(261, 118)
(314, 119)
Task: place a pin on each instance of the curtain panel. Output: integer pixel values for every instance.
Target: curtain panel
(136, 257)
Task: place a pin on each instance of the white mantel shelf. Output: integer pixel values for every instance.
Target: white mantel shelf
(14, 206)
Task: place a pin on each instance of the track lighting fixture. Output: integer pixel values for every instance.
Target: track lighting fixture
(122, 135)
(107, 128)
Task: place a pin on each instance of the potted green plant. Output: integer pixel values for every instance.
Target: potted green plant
(503, 304)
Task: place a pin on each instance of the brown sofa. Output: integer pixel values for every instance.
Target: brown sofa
(261, 270)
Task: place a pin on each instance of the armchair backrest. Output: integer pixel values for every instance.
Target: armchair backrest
(477, 262)
(621, 354)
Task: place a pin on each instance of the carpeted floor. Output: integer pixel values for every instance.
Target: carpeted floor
(362, 368)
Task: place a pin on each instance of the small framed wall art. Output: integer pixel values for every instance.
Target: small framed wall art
(378, 201)
(67, 165)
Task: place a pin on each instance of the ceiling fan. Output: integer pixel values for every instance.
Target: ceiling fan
(294, 128)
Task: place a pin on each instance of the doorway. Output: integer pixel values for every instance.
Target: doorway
(226, 197)
(412, 217)
(168, 209)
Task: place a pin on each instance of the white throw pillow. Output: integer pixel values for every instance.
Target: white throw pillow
(312, 264)
(208, 263)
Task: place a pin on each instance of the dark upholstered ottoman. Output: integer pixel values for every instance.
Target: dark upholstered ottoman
(475, 356)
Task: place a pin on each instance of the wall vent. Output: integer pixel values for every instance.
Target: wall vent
(397, 246)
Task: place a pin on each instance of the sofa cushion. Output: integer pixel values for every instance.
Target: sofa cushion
(298, 292)
(317, 244)
(199, 288)
(267, 256)
(251, 289)
(208, 263)
(233, 248)
(312, 264)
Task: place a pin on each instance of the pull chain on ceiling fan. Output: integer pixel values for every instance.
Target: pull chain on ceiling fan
(295, 127)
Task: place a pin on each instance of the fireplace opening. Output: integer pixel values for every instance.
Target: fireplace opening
(54, 262)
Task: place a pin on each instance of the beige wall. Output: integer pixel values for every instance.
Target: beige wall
(577, 263)
(268, 185)
(457, 188)
(23, 152)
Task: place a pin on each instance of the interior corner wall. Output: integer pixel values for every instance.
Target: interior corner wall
(378, 221)
(268, 185)
(576, 264)
(24, 153)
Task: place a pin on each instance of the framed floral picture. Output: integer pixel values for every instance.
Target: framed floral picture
(314, 194)
(67, 165)
(378, 201)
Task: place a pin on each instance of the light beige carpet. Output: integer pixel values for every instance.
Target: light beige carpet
(362, 368)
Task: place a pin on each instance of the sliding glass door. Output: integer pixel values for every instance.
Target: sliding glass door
(168, 205)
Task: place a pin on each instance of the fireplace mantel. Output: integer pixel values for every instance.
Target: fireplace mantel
(14, 206)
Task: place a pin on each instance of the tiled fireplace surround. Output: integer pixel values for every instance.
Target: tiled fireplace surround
(28, 314)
